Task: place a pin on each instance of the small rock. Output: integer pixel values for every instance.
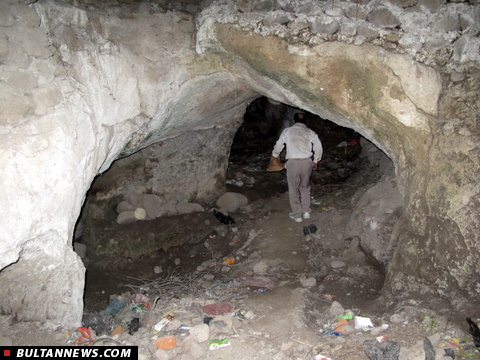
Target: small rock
(188, 208)
(379, 329)
(124, 206)
(161, 355)
(336, 309)
(261, 267)
(200, 333)
(231, 201)
(249, 315)
(177, 261)
(337, 264)
(157, 269)
(308, 282)
(386, 350)
(209, 277)
(196, 350)
(140, 213)
(126, 217)
(396, 319)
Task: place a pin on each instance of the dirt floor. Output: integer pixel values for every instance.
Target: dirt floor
(273, 288)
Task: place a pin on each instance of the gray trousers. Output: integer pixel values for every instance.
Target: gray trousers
(298, 178)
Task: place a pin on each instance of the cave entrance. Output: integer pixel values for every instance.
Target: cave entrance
(261, 252)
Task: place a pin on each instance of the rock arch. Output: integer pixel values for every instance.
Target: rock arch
(82, 86)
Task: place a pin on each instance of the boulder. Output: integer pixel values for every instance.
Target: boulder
(231, 201)
(188, 208)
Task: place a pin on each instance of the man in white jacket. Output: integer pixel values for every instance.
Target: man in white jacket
(304, 151)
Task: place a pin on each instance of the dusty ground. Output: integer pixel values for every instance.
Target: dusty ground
(286, 290)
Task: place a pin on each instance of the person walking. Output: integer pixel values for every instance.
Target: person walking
(304, 151)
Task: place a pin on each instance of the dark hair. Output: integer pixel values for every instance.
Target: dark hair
(298, 119)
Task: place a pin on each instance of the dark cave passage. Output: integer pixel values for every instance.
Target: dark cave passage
(253, 143)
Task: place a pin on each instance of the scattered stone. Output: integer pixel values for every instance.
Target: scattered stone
(152, 203)
(396, 319)
(231, 201)
(161, 355)
(140, 214)
(429, 350)
(378, 329)
(177, 261)
(261, 267)
(337, 264)
(126, 217)
(200, 333)
(157, 269)
(386, 350)
(188, 208)
(124, 206)
(221, 325)
(336, 309)
(308, 282)
(196, 350)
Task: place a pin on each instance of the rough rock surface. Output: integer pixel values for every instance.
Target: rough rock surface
(79, 90)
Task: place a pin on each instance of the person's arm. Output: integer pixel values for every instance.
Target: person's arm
(317, 150)
(279, 145)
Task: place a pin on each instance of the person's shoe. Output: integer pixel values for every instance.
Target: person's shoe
(296, 219)
(306, 216)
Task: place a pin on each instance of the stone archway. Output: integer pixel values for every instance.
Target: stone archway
(79, 90)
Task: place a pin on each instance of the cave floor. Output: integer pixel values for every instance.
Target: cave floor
(284, 292)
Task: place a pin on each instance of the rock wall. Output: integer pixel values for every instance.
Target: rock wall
(79, 90)
(85, 84)
(404, 75)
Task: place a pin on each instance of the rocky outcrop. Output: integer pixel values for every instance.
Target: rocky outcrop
(86, 84)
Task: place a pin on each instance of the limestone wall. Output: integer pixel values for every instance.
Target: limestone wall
(405, 75)
(80, 88)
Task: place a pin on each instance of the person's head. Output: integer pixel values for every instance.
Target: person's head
(300, 118)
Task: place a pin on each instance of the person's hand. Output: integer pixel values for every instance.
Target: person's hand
(314, 166)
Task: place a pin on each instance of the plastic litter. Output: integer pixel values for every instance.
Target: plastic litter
(347, 316)
(162, 323)
(309, 229)
(81, 336)
(218, 343)
(115, 306)
(140, 302)
(134, 326)
(321, 357)
(230, 260)
(363, 323)
(224, 219)
(331, 332)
